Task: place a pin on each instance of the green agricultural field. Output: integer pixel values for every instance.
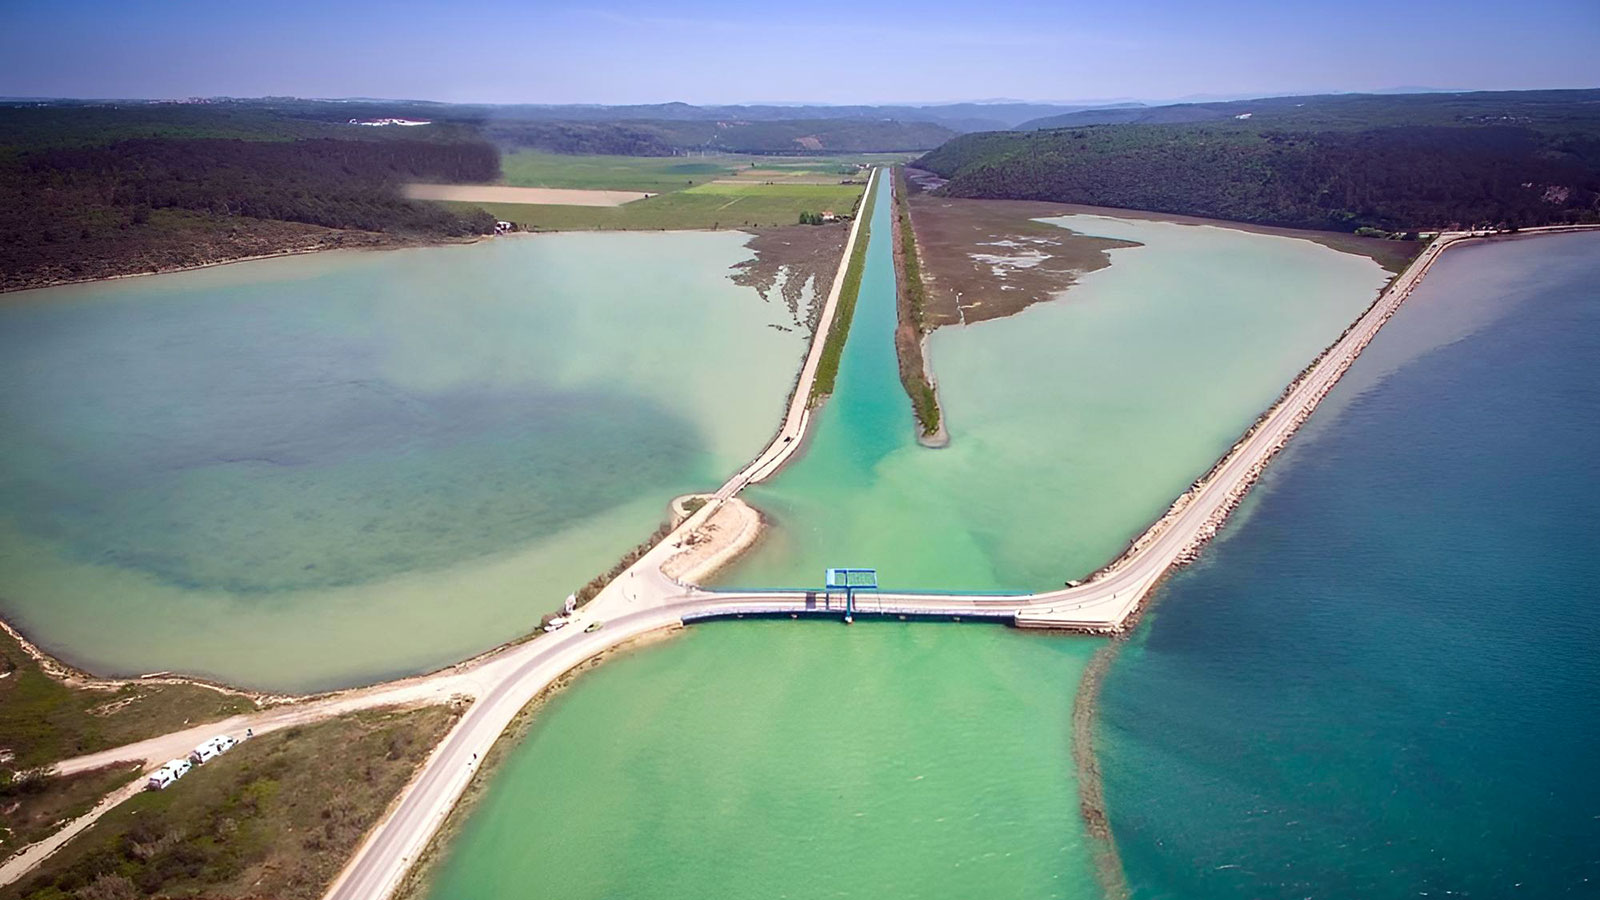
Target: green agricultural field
(710, 206)
(529, 168)
(657, 174)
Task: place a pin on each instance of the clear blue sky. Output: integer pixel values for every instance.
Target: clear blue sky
(630, 51)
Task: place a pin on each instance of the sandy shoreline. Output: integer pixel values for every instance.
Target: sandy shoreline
(731, 529)
(383, 242)
(74, 677)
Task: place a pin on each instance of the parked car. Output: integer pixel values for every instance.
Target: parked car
(161, 778)
(556, 623)
(212, 749)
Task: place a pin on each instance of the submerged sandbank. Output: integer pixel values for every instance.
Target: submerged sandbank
(280, 455)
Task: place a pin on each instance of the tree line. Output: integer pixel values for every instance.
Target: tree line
(56, 202)
(1393, 178)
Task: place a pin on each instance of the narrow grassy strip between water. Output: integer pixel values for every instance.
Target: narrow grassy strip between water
(912, 305)
(839, 331)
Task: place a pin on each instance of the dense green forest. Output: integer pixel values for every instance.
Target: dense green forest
(1391, 163)
(1554, 109)
(87, 192)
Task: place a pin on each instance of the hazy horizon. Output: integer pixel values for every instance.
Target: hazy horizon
(842, 104)
(721, 53)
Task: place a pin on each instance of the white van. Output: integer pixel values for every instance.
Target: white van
(212, 749)
(167, 774)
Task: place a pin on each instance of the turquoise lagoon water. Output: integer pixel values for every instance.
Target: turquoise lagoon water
(799, 759)
(1383, 681)
(804, 759)
(324, 470)
(794, 759)
(1075, 423)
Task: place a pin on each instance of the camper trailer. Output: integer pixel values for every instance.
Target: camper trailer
(212, 749)
(167, 774)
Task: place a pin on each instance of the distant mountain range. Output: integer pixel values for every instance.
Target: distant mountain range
(957, 117)
(961, 117)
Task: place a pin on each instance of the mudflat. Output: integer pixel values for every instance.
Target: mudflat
(986, 259)
(788, 258)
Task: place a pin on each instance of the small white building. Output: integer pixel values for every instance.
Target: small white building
(378, 123)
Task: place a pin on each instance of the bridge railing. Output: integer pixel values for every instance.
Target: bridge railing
(866, 594)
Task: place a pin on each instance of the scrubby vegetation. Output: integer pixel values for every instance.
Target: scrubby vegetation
(839, 330)
(912, 306)
(34, 803)
(276, 817)
(1392, 164)
(43, 719)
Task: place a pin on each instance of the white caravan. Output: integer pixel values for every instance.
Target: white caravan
(167, 774)
(212, 749)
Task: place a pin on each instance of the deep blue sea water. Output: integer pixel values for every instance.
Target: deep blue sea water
(1384, 681)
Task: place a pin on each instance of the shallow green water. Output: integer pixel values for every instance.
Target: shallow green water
(311, 472)
(794, 759)
(1074, 423)
(804, 759)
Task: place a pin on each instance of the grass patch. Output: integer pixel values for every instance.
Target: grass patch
(912, 309)
(276, 817)
(839, 330)
(659, 174)
(530, 168)
(706, 206)
(33, 804)
(43, 720)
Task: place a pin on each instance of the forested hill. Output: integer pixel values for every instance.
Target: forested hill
(1540, 109)
(668, 138)
(91, 192)
(1394, 163)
